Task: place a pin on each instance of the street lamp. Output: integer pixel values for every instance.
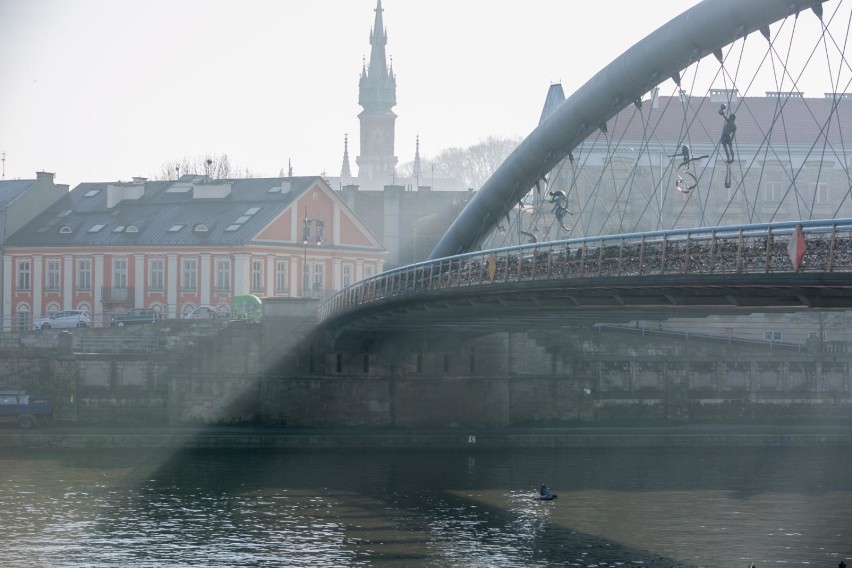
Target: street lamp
(306, 239)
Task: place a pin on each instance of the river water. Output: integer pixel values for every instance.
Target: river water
(615, 507)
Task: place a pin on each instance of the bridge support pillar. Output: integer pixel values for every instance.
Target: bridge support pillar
(753, 378)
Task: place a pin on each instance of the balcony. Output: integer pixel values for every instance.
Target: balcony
(113, 295)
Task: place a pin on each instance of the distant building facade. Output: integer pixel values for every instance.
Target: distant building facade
(20, 201)
(176, 245)
(613, 188)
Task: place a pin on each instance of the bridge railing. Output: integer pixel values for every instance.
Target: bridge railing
(761, 248)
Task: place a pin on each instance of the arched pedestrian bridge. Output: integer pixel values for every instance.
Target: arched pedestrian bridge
(703, 123)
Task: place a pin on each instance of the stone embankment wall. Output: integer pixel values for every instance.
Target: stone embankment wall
(248, 373)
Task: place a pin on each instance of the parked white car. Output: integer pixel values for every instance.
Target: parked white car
(64, 319)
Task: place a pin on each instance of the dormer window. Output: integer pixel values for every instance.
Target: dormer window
(201, 228)
(65, 230)
(131, 229)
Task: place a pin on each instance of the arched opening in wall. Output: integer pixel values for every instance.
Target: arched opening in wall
(52, 308)
(185, 310)
(22, 317)
(340, 362)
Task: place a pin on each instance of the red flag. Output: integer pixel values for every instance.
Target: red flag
(796, 248)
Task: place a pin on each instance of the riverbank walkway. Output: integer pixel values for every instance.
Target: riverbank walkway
(281, 438)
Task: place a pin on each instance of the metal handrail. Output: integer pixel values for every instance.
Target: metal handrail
(755, 248)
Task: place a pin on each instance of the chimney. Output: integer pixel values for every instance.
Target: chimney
(118, 192)
(138, 180)
(45, 177)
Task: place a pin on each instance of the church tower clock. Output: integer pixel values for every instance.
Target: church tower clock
(377, 96)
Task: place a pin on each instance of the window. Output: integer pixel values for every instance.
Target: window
(281, 276)
(347, 275)
(119, 273)
(773, 335)
(251, 210)
(96, 228)
(175, 228)
(257, 275)
(732, 193)
(84, 274)
(24, 274)
(156, 274)
(772, 185)
(369, 270)
(92, 193)
(319, 276)
(223, 274)
(821, 190)
(189, 275)
(231, 228)
(51, 277)
(241, 220)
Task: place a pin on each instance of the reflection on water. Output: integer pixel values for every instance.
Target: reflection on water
(616, 507)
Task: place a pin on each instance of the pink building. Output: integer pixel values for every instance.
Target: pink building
(177, 245)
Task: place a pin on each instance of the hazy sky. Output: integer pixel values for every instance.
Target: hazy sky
(103, 90)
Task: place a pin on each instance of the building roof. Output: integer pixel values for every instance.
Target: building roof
(167, 214)
(10, 190)
(673, 121)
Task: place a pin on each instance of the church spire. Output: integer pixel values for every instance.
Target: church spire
(378, 41)
(345, 172)
(377, 95)
(416, 168)
(378, 84)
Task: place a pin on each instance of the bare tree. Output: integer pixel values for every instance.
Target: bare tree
(214, 166)
(473, 165)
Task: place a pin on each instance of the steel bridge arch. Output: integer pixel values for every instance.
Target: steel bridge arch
(700, 31)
